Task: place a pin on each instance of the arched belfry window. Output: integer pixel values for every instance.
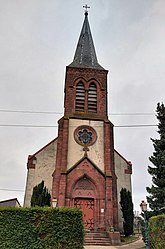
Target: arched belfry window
(80, 97)
(92, 98)
(86, 100)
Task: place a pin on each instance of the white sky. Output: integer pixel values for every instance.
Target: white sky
(38, 40)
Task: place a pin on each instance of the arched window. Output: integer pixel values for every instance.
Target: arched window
(92, 98)
(80, 97)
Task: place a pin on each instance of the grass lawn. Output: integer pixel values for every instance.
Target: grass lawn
(129, 239)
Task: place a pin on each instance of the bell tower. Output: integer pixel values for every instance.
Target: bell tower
(86, 80)
(84, 173)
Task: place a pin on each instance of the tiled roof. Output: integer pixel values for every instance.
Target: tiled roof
(10, 203)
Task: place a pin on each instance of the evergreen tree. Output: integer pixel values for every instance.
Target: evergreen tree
(40, 196)
(156, 198)
(127, 210)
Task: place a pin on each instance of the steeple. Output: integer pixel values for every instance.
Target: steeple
(85, 55)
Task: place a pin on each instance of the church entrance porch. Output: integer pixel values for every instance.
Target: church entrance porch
(85, 192)
(87, 207)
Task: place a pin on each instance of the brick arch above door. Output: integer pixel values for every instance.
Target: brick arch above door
(85, 171)
(85, 188)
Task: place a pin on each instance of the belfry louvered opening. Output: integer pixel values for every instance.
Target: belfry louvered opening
(80, 97)
(92, 98)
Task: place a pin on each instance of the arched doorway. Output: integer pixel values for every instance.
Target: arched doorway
(84, 196)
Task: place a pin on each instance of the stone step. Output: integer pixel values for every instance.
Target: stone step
(97, 243)
(101, 239)
(96, 235)
(97, 238)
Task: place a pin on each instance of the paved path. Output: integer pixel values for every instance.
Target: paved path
(136, 245)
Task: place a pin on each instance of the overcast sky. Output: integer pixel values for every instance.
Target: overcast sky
(38, 40)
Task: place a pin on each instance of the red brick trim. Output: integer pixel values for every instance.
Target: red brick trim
(129, 168)
(86, 169)
(92, 70)
(90, 161)
(99, 77)
(30, 163)
(59, 180)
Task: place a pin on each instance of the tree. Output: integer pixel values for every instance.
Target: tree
(40, 196)
(127, 210)
(156, 198)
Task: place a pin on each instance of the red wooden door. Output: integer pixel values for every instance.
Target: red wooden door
(87, 206)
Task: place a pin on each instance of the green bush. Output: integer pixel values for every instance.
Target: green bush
(127, 211)
(41, 228)
(156, 231)
(40, 196)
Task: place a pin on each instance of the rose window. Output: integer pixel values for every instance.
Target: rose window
(85, 135)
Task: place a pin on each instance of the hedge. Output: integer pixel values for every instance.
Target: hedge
(41, 228)
(156, 231)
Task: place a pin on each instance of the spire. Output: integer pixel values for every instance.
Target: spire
(85, 55)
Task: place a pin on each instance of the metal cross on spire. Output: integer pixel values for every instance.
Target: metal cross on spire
(86, 8)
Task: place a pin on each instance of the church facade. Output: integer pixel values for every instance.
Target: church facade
(80, 167)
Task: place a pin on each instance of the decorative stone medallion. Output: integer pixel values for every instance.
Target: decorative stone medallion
(85, 135)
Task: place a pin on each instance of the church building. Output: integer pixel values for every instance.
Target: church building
(80, 167)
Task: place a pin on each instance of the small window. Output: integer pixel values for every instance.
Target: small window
(92, 98)
(80, 97)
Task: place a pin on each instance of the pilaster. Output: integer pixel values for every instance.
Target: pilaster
(61, 159)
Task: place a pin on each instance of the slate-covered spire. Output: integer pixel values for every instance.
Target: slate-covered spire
(85, 55)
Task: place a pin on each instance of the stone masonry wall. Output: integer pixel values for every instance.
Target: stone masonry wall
(123, 173)
(42, 170)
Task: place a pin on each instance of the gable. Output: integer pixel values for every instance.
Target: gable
(10, 203)
(122, 163)
(43, 148)
(81, 161)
